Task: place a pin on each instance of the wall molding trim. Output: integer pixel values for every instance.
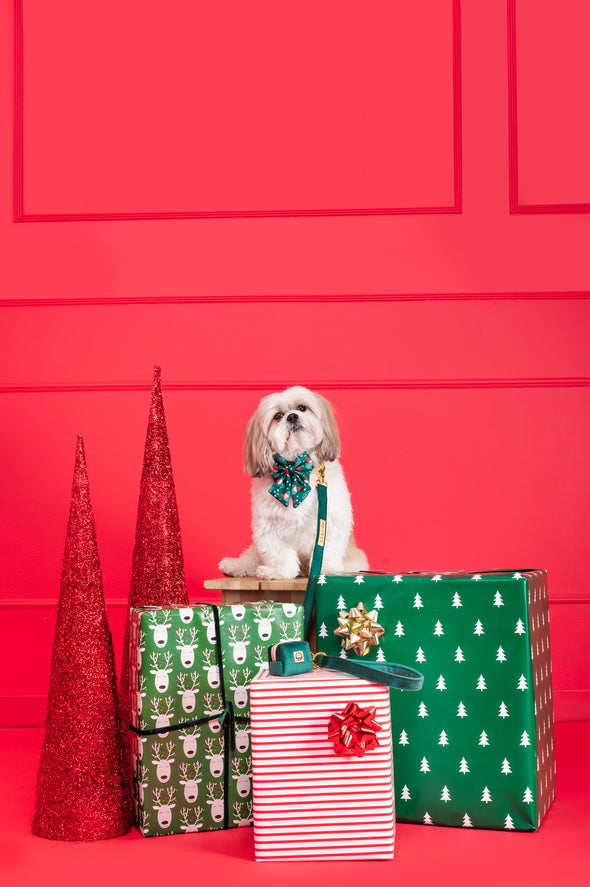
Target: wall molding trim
(315, 298)
(514, 204)
(19, 214)
(317, 384)
(48, 603)
(556, 596)
(571, 705)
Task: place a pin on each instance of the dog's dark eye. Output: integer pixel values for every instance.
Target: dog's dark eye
(277, 417)
(302, 408)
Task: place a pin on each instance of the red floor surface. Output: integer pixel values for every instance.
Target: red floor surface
(557, 854)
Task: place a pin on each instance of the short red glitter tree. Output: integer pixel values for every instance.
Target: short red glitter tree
(157, 576)
(82, 790)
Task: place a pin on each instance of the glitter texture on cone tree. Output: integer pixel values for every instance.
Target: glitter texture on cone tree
(81, 783)
(157, 576)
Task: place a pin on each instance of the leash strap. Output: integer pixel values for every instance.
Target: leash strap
(391, 674)
(399, 677)
(318, 551)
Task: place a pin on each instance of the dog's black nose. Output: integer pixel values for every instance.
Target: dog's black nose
(293, 418)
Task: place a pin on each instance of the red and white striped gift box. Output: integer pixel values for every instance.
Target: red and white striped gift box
(309, 802)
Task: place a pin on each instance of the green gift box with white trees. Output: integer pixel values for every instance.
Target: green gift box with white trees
(190, 710)
(475, 747)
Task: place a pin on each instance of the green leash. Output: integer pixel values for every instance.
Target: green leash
(318, 551)
(399, 677)
(389, 673)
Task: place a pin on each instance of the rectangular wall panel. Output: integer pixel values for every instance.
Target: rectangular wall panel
(268, 343)
(236, 109)
(549, 88)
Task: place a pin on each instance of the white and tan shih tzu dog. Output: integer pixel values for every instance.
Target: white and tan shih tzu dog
(288, 437)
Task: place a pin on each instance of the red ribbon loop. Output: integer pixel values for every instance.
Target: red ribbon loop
(353, 730)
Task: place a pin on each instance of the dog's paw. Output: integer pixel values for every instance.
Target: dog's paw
(231, 566)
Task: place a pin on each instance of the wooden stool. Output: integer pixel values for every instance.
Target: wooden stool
(244, 590)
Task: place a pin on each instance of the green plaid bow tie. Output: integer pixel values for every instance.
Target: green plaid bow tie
(291, 479)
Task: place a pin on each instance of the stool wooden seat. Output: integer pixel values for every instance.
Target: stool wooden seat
(249, 588)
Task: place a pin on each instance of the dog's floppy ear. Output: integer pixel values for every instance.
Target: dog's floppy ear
(329, 448)
(258, 458)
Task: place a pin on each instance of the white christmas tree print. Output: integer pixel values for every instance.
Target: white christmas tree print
(420, 657)
(486, 796)
(399, 630)
(483, 739)
(440, 684)
(398, 578)
(403, 739)
(380, 655)
(378, 605)
(418, 602)
(422, 711)
(528, 796)
(445, 794)
(467, 821)
(323, 632)
(498, 602)
(481, 683)
(405, 795)
(427, 820)
(461, 711)
(459, 657)
(522, 684)
(343, 654)
(524, 740)
(506, 768)
(478, 628)
(437, 578)
(463, 766)
(438, 629)
(503, 713)
(476, 578)
(340, 603)
(424, 766)
(321, 580)
(519, 627)
(508, 822)
(457, 600)
(500, 655)
(443, 740)
(358, 580)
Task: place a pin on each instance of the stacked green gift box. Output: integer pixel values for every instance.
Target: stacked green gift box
(190, 712)
(475, 747)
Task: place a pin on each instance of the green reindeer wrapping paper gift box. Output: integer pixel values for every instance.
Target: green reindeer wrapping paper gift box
(190, 710)
(475, 746)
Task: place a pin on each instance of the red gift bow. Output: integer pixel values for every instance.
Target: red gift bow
(353, 730)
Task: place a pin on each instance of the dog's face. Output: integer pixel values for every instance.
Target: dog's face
(289, 423)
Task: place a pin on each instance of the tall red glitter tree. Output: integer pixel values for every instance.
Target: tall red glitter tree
(82, 790)
(157, 575)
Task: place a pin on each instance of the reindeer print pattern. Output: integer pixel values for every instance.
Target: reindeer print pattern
(179, 772)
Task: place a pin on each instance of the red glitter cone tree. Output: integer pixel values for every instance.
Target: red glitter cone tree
(157, 575)
(81, 784)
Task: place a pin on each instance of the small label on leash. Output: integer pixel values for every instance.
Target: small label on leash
(322, 533)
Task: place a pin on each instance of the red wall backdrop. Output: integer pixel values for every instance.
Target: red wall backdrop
(385, 201)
